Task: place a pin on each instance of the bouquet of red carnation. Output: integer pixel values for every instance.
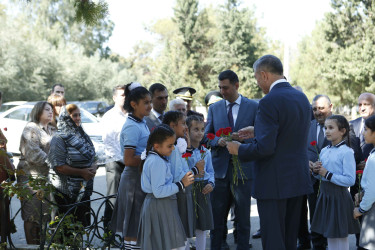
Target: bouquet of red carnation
(237, 169)
(186, 156)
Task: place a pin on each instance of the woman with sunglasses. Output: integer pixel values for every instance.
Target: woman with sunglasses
(72, 161)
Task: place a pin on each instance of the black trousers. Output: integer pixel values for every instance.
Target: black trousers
(113, 175)
(279, 221)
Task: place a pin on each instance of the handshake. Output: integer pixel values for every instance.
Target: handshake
(241, 135)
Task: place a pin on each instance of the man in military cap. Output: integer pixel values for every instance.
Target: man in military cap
(186, 94)
(212, 97)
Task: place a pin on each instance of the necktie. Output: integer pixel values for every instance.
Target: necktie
(320, 137)
(161, 117)
(230, 115)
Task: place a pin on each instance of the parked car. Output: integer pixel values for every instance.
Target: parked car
(13, 121)
(8, 105)
(96, 108)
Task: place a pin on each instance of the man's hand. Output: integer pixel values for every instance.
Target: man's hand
(222, 142)
(233, 147)
(236, 137)
(246, 133)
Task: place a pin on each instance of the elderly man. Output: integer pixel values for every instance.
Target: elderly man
(366, 108)
(322, 108)
(159, 100)
(178, 105)
(58, 89)
(282, 174)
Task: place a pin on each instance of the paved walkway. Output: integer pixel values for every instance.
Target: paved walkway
(100, 186)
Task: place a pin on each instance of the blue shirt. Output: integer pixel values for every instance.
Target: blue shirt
(179, 166)
(339, 161)
(368, 183)
(157, 177)
(209, 173)
(134, 135)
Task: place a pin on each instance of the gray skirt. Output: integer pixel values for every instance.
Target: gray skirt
(186, 210)
(160, 224)
(333, 217)
(130, 197)
(202, 207)
(367, 238)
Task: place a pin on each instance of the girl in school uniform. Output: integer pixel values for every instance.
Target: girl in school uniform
(333, 213)
(367, 207)
(160, 224)
(203, 184)
(179, 167)
(133, 141)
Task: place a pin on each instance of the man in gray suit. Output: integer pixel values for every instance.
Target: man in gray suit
(159, 100)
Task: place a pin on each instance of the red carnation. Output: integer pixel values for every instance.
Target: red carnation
(204, 145)
(219, 132)
(202, 151)
(313, 143)
(359, 172)
(186, 155)
(210, 136)
(366, 160)
(227, 131)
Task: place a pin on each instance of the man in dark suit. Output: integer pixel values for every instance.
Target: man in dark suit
(159, 100)
(366, 108)
(279, 149)
(322, 108)
(237, 112)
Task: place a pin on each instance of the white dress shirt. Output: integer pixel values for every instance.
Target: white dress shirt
(235, 108)
(111, 124)
(157, 114)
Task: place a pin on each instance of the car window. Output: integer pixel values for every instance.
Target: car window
(92, 107)
(20, 114)
(87, 117)
(4, 108)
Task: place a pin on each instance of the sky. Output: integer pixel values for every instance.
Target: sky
(285, 20)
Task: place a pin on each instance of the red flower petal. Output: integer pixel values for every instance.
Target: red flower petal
(210, 136)
(313, 143)
(359, 172)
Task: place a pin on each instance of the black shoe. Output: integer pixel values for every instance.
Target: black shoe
(257, 234)
(225, 246)
(304, 246)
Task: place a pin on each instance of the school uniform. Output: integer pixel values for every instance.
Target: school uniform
(160, 224)
(202, 202)
(367, 205)
(333, 217)
(179, 168)
(125, 218)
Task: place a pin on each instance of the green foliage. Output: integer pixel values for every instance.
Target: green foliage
(338, 58)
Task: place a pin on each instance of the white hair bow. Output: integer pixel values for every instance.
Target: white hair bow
(181, 145)
(134, 85)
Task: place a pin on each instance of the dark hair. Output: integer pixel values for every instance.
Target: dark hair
(158, 135)
(230, 75)
(370, 123)
(192, 118)
(55, 85)
(134, 96)
(269, 63)
(37, 111)
(342, 123)
(156, 87)
(118, 87)
(172, 116)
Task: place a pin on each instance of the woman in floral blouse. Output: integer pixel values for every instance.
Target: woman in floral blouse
(34, 147)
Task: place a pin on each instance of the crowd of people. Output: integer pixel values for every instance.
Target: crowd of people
(177, 176)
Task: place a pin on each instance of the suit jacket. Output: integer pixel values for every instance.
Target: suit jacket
(152, 121)
(217, 118)
(280, 146)
(311, 150)
(363, 148)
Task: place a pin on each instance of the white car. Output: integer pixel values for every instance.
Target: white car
(13, 121)
(8, 105)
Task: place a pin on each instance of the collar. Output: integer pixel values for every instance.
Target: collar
(372, 151)
(134, 118)
(238, 101)
(338, 144)
(276, 82)
(157, 114)
(156, 153)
